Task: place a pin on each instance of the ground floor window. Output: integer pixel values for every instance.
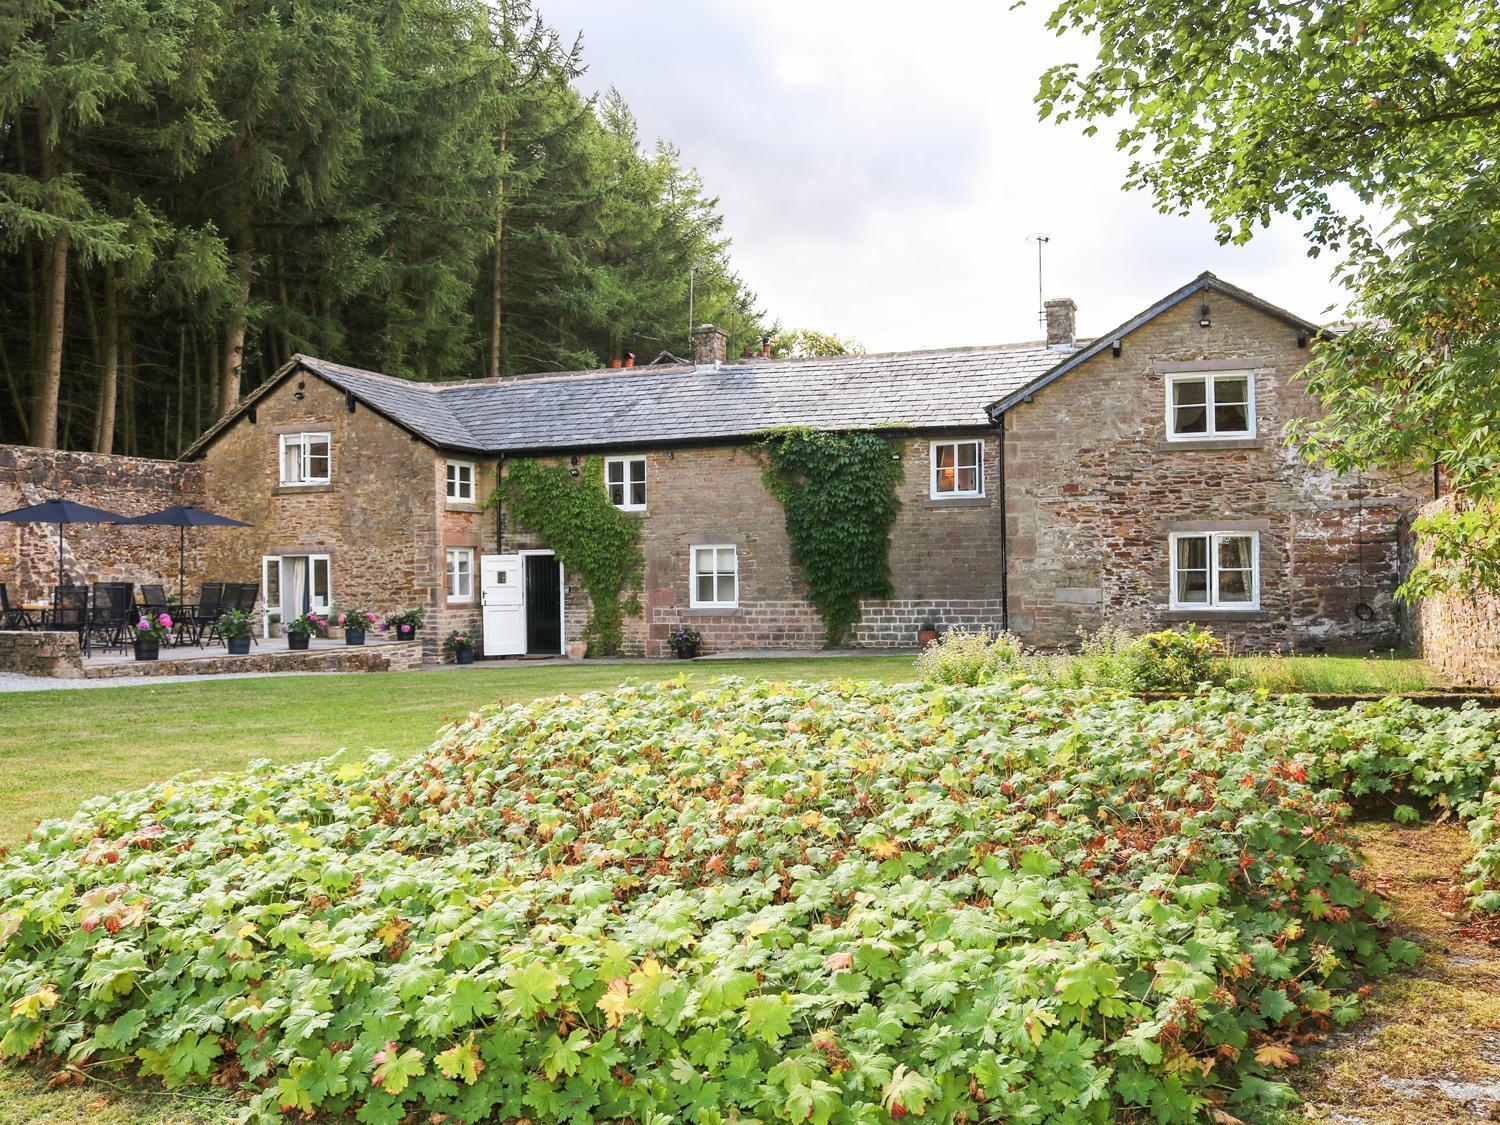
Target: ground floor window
(1215, 570)
(716, 577)
(460, 574)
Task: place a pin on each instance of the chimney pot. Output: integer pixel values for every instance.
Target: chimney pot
(710, 346)
(765, 346)
(630, 359)
(1062, 316)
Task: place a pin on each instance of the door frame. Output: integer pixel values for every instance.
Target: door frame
(562, 600)
(265, 585)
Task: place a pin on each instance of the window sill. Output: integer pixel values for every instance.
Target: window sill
(1217, 615)
(641, 511)
(299, 489)
(461, 603)
(957, 502)
(709, 611)
(1189, 445)
(461, 506)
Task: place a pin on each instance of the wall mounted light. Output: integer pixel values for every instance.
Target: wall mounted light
(1114, 349)
(1203, 321)
(297, 394)
(573, 466)
(671, 455)
(1302, 339)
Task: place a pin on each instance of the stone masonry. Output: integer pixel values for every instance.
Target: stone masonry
(41, 654)
(1094, 489)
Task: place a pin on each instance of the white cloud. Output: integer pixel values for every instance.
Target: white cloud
(880, 166)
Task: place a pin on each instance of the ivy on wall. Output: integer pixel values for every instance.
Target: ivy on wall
(839, 493)
(590, 536)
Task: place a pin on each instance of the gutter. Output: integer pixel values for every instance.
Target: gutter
(1004, 536)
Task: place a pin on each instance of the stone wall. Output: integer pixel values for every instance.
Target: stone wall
(131, 486)
(945, 557)
(41, 654)
(1459, 636)
(1094, 489)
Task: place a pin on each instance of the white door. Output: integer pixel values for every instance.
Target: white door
(502, 601)
(294, 585)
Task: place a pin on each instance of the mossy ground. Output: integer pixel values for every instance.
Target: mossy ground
(1428, 1049)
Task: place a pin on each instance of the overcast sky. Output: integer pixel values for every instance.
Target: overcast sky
(880, 165)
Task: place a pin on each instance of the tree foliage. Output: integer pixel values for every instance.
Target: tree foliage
(190, 190)
(806, 343)
(839, 494)
(1377, 126)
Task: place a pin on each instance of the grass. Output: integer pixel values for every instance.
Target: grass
(63, 746)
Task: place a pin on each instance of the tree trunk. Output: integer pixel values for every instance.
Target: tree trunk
(49, 373)
(234, 342)
(497, 266)
(181, 386)
(129, 446)
(104, 434)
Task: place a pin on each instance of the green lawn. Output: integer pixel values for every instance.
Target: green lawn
(62, 746)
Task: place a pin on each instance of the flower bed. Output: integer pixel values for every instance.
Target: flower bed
(819, 903)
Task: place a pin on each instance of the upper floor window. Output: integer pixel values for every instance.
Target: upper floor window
(1215, 570)
(305, 458)
(716, 578)
(957, 469)
(1210, 404)
(625, 477)
(461, 481)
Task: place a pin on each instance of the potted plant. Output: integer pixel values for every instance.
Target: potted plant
(273, 621)
(150, 630)
(234, 627)
(355, 622)
(927, 633)
(461, 644)
(403, 625)
(685, 642)
(300, 631)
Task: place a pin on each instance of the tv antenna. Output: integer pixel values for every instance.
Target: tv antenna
(1041, 307)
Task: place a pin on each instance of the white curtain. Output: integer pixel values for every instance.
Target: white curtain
(293, 586)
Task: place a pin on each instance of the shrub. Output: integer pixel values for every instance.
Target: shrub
(1177, 660)
(738, 900)
(964, 658)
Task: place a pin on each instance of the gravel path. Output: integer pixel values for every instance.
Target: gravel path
(12, 681)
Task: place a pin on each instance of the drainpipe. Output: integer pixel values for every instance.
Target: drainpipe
(1004, 544)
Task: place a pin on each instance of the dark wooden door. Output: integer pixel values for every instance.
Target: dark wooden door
(543, 605)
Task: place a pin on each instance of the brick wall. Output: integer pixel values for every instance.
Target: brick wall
(945, 560)
(1459, 636)
(131, 486)
(1095, 489)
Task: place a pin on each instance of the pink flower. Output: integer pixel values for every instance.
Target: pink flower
(406, 628)
(343, 617)
(164, 621)
(141, 624)
(370, 617)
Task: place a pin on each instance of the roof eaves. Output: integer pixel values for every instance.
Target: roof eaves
(1205, 280)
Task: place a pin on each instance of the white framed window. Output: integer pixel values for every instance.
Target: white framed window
(716, 577)
(1210, 404)
(1215, 569)
(306, 458)
(957, 469)
(625, 478)
(461, 481)
(460, 574)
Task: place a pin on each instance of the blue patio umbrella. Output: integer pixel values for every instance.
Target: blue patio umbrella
(61, 512)
(182, 517)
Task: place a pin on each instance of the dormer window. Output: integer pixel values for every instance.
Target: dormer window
(305, 458)
(1204, 405)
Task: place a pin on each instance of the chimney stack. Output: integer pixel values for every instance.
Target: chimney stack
(710, 346)
(1062, 314)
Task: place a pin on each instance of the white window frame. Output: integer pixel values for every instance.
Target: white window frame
(694, 573)
(1214, 604)
(451, 480)
(302, 440)
(277, 564)
(450, 574)
(1209, 378)
(977, 492)
(625, 505)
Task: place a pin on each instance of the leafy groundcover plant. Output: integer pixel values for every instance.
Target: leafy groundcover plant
(846, 903)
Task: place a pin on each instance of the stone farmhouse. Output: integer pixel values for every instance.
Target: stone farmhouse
(1137, 477)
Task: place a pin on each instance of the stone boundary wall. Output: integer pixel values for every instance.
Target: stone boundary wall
(131, 486)
(41, 654)
(1459, 636)
(395, 656)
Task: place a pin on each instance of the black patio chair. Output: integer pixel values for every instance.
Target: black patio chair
(154, 597)
(70, 613)
(249, 594)
(240, 596)
(199, 617)
(114, 614)
(14, 617)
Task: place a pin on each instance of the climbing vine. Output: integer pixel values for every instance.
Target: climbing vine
(590, 536)
(839, 493)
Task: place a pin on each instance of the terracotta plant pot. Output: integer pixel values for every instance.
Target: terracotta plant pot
(926, 637)
(577, 650)
(239, 646)
(463, 656)
(354, 636)
(297, 641)
(147, 648)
